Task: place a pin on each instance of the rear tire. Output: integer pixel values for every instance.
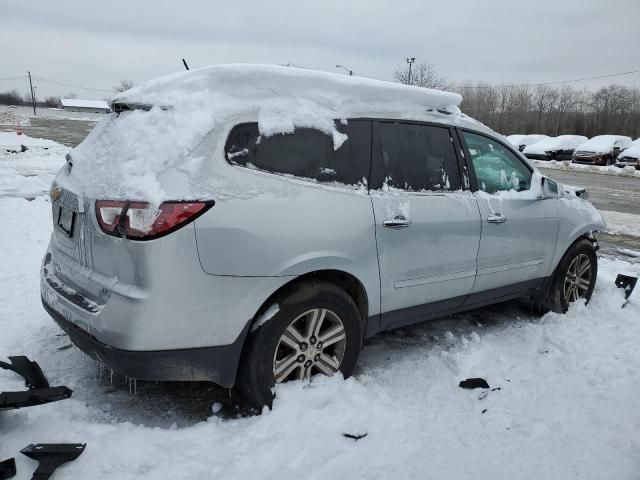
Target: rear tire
(289, 345)
(574, 278)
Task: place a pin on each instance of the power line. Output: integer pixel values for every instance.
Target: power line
(558, 82)
(72, 86)
(12, 78)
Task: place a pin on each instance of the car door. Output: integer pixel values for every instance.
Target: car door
(519, 229)
(427, 223)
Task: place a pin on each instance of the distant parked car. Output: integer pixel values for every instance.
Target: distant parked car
(601, 150)
(529, 140)
(554, 148)
(515, 139)
(631, 156)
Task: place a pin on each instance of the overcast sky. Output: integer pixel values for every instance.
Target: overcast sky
(96, 44)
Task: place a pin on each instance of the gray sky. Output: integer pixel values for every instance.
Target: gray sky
(96, 44)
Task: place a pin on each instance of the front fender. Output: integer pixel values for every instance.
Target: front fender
(578, 218)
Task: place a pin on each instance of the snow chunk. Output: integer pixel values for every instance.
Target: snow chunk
(268, 314)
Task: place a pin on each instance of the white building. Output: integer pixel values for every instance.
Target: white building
(78, 105)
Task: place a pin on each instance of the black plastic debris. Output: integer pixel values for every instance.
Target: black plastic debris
(30, 371)
(23, 148)
(471, 383)
(354, 437)
(51, 455)
(39, 392)
(627, 282)
(7, 468)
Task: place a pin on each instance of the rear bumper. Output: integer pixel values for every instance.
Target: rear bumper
(215, 364)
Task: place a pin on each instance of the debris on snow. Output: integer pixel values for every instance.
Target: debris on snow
(355, 437)
(471, 383)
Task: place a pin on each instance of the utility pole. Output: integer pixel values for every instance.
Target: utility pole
(410, 62)
(33, 97)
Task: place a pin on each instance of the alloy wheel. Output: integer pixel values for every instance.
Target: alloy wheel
(313, 342)
(578, 278)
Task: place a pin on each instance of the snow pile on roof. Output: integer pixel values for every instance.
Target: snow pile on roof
(131, 154)
(515, 139)
(632, 152)
(531, 139)
(603, 143)
(76, 102)
(563, 142)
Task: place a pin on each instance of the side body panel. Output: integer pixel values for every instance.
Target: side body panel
(519, 249)
(431, 262)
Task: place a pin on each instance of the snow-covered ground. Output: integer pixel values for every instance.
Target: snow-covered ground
(28, 174)
(563, 402)
(568, 165)
(22, 115)
(622, 223)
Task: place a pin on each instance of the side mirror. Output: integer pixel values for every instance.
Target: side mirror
(549, 189)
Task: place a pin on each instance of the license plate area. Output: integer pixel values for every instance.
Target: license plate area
(66, 220)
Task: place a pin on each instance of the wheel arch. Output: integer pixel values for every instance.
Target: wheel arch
(344, 280)
(587, 235)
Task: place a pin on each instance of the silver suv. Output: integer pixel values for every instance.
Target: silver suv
(330, 234)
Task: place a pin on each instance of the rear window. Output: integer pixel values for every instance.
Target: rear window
(305, 153)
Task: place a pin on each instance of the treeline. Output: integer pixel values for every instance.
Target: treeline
(553, 110)
(545, 109)
(14, 98)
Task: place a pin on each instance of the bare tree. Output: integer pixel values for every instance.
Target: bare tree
(123, 86)
(52, 101)
(544, 98)
(422, 75)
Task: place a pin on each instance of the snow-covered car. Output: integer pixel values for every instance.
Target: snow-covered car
(601, 150)
(554, 148)
(525, 140)
(251, 225)
(631, 156)
(515, 139)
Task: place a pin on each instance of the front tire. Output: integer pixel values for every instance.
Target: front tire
(316, 330)
(574, 278)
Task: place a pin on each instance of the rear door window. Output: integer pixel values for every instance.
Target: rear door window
(415, 158)
(305, 153)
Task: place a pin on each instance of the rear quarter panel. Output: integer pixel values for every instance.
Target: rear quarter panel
(290, 228)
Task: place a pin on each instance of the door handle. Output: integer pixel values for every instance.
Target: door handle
(496, 218)
(399, 221)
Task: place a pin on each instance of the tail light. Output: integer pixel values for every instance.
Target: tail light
(142, 221)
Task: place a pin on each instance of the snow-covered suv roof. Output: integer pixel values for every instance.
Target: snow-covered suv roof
(151, 140)
(262, 84)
